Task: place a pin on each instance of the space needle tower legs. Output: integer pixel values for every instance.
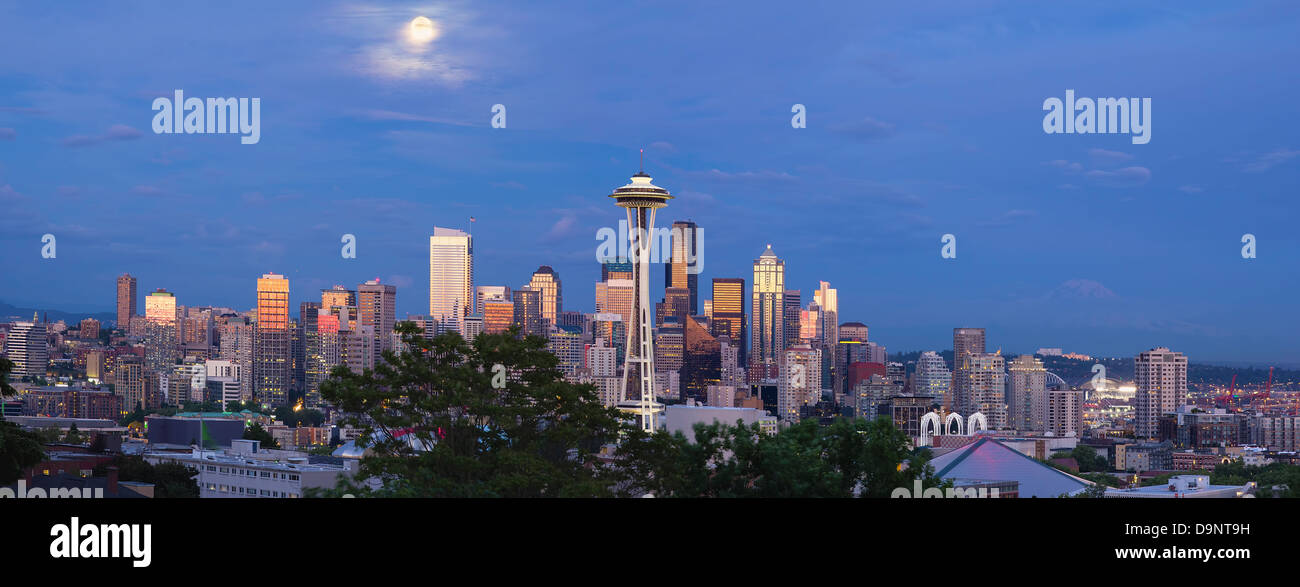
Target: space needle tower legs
(641, 199)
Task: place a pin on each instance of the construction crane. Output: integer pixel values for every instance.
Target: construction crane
(1226, 399)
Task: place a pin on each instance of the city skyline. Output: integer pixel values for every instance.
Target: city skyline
(906, 140)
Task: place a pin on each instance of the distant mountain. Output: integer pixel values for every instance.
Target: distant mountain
(10, 313)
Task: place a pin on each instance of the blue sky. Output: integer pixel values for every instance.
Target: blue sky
(921, 121)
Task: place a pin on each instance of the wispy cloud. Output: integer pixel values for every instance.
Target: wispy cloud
(117, 132)
(1270, 160)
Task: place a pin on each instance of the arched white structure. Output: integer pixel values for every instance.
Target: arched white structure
(947, 424)
(976, 423)
(929, 427)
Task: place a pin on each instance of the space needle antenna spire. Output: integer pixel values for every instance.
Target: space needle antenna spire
(640, 199)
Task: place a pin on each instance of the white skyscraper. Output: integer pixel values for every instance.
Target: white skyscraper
(1161, 379)
(451, 276)
(932, 375)
(26, 346)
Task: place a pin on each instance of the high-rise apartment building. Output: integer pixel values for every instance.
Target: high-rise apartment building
(1161, 379)
(1064, 413)
(965, 342)
(986, 379)
(126, 302)
(932, 376)
(800, 380)
(1027, 405)
(377, 307)
(162, 337)
(451, 277)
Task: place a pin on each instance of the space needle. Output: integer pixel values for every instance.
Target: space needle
(640, 198)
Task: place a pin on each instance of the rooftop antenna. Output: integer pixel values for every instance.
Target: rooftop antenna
(642, 160)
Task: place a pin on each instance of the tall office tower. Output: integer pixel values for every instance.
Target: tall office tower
(1161, 379)
(616, 296)
(986, 375)
(800, 381)
(640, 199)
(451, 277)
(572, 318)
(670, 344)
(615, 270)
(195, 327)
(491, 292)
(965, 342)
(337, 296)
(682, 269)
(377, 307)
(676, 304)
(728, 312)
(767, 322)
(324, 354)
(707, 310)
(131, 384)
(932, 375)
(547, 281)
(828, 299)
(28, 348)
(126, 302)
(528, 312)
(790, 317)
(498, 313)
(162, 331)
(307, 350)
(1064, 413)
(701, 362)
(810, 323)
(851, 348)
(271, 344)
(1027, 397)
(235, 334)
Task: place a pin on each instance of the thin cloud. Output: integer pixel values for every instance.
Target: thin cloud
(865, 129)
(1270, 160)
(1125, 177)
(117, 132)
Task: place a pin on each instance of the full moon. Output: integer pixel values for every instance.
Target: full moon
(421, 30)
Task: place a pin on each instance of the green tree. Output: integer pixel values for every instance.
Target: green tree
(257, 432)
(19, 449)
(74, 435)
(846, 459)
(437, 427)
(170, 480)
